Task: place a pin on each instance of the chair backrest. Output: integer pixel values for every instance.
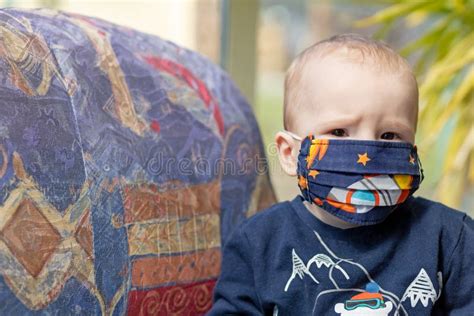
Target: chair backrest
(125, 162)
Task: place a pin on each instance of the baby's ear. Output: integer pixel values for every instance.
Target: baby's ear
(287, 149)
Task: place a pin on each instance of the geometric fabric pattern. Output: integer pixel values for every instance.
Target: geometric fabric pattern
(125, 163)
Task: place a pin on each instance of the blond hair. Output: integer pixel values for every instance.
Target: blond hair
(353, 47)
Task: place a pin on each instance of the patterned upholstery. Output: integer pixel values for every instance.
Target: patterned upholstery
(125, 162)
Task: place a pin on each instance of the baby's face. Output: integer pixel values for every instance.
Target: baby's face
(342, 99)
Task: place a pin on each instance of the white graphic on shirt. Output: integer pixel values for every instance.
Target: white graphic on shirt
(321, 259)
(387, 295)
(299, 268)
(440, 283)
(421, 290)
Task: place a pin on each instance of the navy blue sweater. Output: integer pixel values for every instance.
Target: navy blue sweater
(284, 261)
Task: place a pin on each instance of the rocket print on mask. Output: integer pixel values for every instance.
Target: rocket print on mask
(378, 190)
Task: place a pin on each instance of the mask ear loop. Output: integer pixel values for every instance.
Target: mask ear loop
(294, 136)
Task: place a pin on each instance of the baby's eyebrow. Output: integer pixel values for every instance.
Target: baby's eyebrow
(397, 126)
(340, 122)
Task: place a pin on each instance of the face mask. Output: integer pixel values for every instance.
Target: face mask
(358, 181)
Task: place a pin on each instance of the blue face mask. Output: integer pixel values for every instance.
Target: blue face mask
(358, 181)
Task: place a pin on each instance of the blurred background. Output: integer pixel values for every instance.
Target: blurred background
(256, 40)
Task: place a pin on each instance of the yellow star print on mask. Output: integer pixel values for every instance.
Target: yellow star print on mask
(363, 159)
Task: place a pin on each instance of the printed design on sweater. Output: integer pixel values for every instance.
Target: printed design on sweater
(300, 269)
(422, 290)
(373, 300)
(370, 302)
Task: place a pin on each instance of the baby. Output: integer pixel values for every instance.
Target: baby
(356, 241)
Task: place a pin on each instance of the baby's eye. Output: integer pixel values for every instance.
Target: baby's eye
(389, 136)
(338, 132)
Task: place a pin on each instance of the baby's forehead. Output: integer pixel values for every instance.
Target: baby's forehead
(339, 86)
(340, 76)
